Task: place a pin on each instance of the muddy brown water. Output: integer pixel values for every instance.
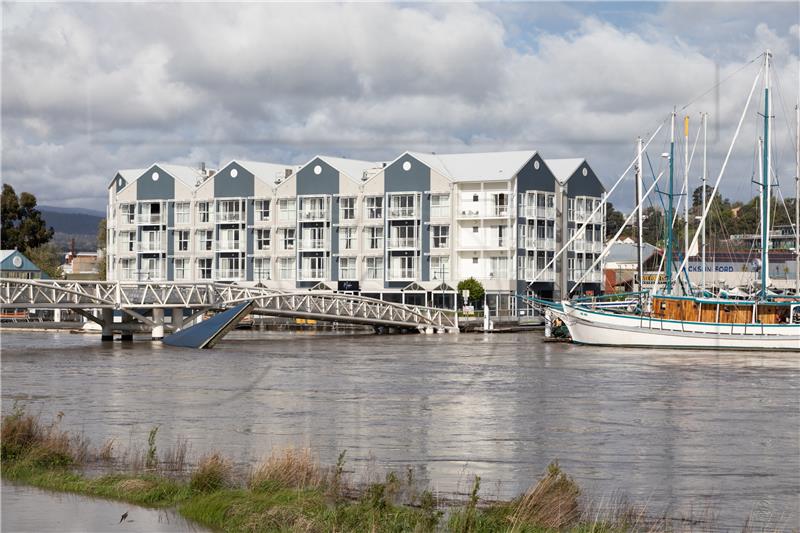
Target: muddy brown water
(687, 433)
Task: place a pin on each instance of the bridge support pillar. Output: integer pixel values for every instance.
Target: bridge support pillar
(107, 316)
(177, 319)
(158, 324)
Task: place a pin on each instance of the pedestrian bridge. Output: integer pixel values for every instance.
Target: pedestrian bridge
(147, 301)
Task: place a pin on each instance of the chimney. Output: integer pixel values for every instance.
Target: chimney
(203, 167)
(287, 173)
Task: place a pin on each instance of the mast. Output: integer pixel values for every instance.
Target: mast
(668, 221)
(797, 204)
(640, 219)
(765, 193)
(705, 177)
(686, 187)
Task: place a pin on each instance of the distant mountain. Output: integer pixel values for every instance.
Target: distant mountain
(72, 221)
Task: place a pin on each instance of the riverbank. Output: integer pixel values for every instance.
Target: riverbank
(290, 490)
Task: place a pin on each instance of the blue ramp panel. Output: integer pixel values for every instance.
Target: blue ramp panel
(208, 332)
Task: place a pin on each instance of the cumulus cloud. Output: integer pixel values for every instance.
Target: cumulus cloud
(109, 86)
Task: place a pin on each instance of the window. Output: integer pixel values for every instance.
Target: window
(128, 240)
(286, 210)
(230, 268)
(374, 238)
(502, 232)
(180, 269)
(150, 213)
(441, 236)
(347, 268)
(313, 268)
(202, 212)
(151, 269)
(313, 239)
(347, 238)
(501, 205)
(347, 208)
(474, 260)
(182, 213)
(287, 268)
(440, 267)
(404, 236)
(128, 213)
(403, 267)
(440, 205)
(128, 268)
(402, 205)
(474, 229)
(229, 239)
(474, 197)
(182, 241)
(287, 239)
(499, 267)
(151, 241)
(262, 210)
(312, 208)
(374, 207)
(374, 267)
(205, 239)
(263, 239)
(261, 269)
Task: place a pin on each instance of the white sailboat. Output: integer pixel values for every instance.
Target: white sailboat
(763, 322)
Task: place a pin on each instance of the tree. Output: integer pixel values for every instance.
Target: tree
(614, 220)
(101, 249)
(653, 225)
(23, 227)
(475, 289)
(48, 258)
(697, 195)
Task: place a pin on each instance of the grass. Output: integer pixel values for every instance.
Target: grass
(290, 491)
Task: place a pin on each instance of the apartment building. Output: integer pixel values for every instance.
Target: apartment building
(407, 230)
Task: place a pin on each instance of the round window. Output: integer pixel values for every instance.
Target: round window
(585, 172)
(407, 166)
(155, 176)
(17, 261)
(234, 172)
(536, 165)
(318, 170)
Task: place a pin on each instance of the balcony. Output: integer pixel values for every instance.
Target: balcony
(533, 243)
(177, 250)
(402, 274)
(126, 221)
(150, 219)
(230, 274)
(307, 245)
(498, 211)
(403, 243)
(227, 217)
(151, 275)
(530, 274)
(312, 215)
(151, 246)
(228, 246)
(540, 212)
(313, 274)
(397, 213)
(594, 276)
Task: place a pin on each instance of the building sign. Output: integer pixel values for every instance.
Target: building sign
(349, 286)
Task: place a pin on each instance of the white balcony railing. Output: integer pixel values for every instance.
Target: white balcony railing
(402, 274)
(531, 273)
(151, 246)
(499, 211)
(312, 244)
(150, 218)
(402, 212)
(313, 274)
(534, 243)
(228, 246)
(533, 211)
(311, 215)
(229, 216)
(125, 248)
(402, 243)
(230, 274)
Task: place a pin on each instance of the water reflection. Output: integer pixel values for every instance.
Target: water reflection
(680, 430)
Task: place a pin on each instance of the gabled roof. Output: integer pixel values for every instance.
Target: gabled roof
(477, 166)
(25, 264)
(189, 176)
(563, 169)
(352, 168)
(623, 252)
(265, 171)
(128, 174)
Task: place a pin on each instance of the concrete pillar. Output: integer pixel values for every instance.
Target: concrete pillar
(177, 318)
(56, 315)
(107, 315)
(158, 324)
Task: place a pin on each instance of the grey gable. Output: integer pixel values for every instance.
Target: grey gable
(161, 189)
(580, 185)
(226, 185)
(416, 178)
(530, 178)
(309, 183)
(119, 182)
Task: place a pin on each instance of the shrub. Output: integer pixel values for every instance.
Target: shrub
(475, 289)
(213, 473)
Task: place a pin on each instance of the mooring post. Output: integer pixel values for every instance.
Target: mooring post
(158, 324)
(108, 325)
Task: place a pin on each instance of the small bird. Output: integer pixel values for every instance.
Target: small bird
(124, 516)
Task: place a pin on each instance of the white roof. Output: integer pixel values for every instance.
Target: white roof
(5, 253)
(352, 168)
(128, 174)
(188, 175)
(266, 171)
(563, 169)
(477, 166)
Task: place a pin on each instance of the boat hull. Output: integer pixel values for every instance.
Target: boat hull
(587, 326)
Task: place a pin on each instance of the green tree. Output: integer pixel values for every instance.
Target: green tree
(614, 220)
(23, 227)
(653, 225)
(102, 249)
(48, 258)
(475, 289)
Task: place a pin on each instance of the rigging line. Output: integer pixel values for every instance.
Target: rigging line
(722, 81)
(777, 85)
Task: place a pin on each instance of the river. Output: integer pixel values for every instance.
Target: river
(688, 433)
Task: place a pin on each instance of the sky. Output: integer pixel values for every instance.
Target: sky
(88, 89)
